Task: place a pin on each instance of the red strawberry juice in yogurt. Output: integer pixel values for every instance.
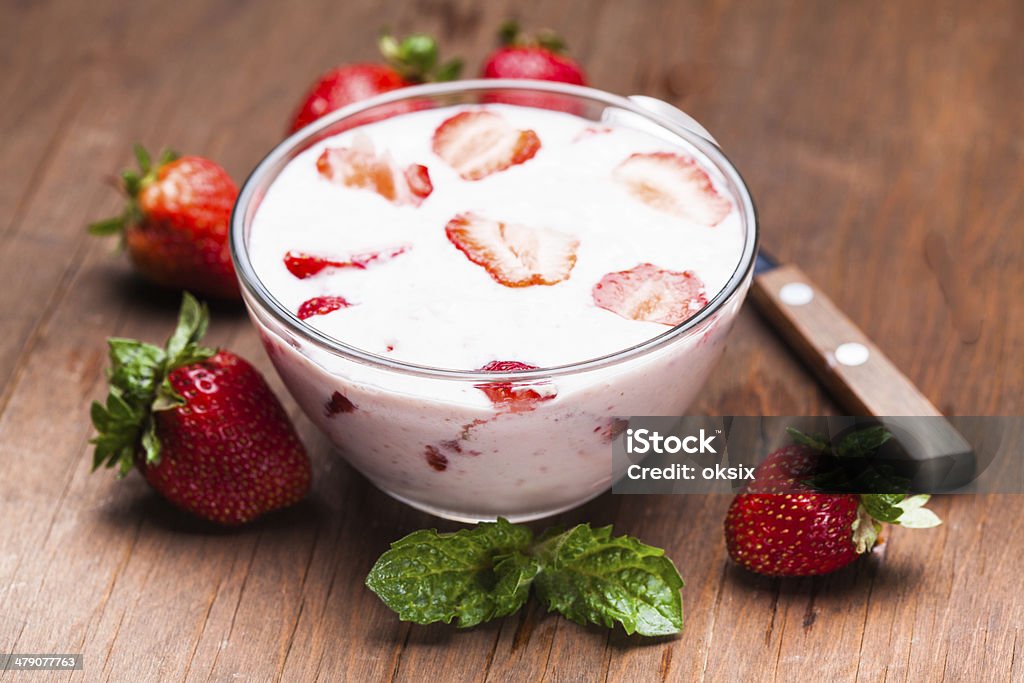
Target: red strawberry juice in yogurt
(500, 239)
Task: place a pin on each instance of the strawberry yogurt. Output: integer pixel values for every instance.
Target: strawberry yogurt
(454, 295)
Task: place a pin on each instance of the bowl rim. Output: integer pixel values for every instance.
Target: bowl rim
(263, 175)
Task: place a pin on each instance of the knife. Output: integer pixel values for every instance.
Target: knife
(855, 371)
(860, 377)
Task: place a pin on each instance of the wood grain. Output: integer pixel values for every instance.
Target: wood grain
(882, 143)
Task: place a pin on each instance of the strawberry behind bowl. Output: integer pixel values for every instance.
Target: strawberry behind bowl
(540, 58)
(412, 60)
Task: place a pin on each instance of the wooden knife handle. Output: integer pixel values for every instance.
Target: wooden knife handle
(855, 371)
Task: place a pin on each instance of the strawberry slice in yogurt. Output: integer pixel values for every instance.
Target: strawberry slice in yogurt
(652, 294)
(479, 142)
(360, 166)
(514, 255)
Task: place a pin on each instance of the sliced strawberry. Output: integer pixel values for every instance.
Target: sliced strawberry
(516, 398)
(338, 403)
(303, 265)
(321, 305)
(361, 167)
(515, 255)
(674, 183)
(478, 143)
(438, 456)
(436, 459)
(649, 293)
(418, 179)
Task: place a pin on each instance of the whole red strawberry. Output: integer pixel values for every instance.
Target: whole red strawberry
(412, 60)
(783, 526)
(541, 59)
(202, 426)
(175, 225)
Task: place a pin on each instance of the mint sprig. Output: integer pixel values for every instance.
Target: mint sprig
(590, 576)
(478, 574)
(139, 387)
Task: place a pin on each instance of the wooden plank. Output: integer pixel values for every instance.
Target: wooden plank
(855, 125)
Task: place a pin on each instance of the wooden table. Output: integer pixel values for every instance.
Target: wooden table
(875, 136)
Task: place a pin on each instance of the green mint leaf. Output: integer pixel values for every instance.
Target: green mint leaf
(471, 575)
(883, 506)
(478, 574)
(591, 577)
(863, 442)
(815, 441)
(515, 574)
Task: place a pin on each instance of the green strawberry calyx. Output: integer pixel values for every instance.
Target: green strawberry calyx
(416, 58)
(511, 35)
(894, 508)
(139, 387)
(133, 182)
(888, 500)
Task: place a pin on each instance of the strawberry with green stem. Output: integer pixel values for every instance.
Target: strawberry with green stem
(409, 61)
(541, 58)
(783, 524)
(175, 223)
(201, 425)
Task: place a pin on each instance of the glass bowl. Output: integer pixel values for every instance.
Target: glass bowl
(424, 435)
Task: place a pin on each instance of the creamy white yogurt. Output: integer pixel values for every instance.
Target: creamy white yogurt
(431, 305)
